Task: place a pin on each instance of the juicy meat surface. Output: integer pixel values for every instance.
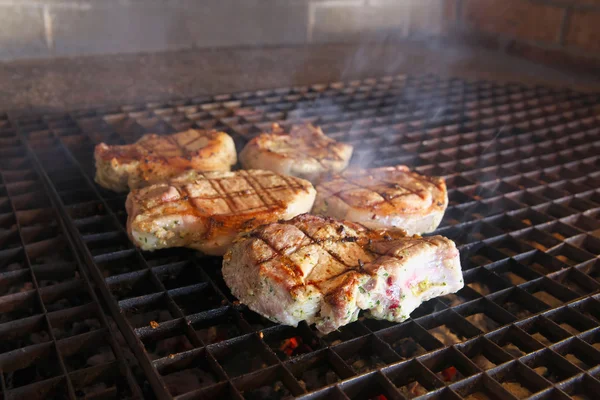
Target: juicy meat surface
(205, 211)
(305, 152)
(388, 197)
(325, 271)
(156, 158)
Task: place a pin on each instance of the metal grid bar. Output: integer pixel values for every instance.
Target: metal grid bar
(56, 340)
(520, 163)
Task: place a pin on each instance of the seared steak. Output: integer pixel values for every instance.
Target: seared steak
(389, 197)
(305, 152)
(205, 211)
(325, 271)
(155, 158)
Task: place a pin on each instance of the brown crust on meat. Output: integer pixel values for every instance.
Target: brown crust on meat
(233, 217)
(338, 297)
(323, 271)
(386, 191)
(167, 156)
(179, 148)
(344, 232)
(303, 145)
(308, 141)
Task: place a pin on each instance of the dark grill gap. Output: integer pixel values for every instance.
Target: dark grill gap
(520, 163)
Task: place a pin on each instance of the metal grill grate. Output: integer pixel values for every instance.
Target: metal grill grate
(55, 340)
(520, 163)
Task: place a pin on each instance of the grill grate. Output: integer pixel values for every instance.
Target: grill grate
(55, 339)
(520, 163)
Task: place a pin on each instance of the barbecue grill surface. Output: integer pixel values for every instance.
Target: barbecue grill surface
(521, 166)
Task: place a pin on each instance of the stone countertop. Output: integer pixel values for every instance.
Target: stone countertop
(54, 85)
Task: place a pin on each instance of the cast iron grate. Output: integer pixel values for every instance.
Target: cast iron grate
(521, 164)
(55, 340)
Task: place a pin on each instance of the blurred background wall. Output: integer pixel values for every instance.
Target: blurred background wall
(551, 31)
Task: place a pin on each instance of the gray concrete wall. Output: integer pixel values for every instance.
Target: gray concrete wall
(57, 28)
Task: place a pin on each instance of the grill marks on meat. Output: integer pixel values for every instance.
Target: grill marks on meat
(155, 158)
(205, 211)
(305, 152)
(325, 271)
(384, 198)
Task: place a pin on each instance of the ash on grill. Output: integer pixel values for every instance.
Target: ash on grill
(408, 348)
(72, 328)
(446, 336)
(165, 347)
(187, 380)
(482, 362)
(483, 322)
(275, 391)
(218, 333)
(318, 377)
(362, 364)
(413, 389)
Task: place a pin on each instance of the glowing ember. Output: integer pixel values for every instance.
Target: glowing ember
(449, 374)
(289, 345)
(379, 397)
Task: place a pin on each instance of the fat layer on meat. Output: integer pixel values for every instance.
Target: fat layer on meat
(385, 197)
(156, 158)
(325, 271)
(305, 152)
(206, 210)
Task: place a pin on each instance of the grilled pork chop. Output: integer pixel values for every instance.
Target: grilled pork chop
(325, 271)
(384, 198)
(306, 152)
(155, 158)
(205, 211)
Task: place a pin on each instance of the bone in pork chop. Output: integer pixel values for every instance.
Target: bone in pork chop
(384, 198)
(154, 158)
(205, 211)
(325, 271)
(305, 152)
